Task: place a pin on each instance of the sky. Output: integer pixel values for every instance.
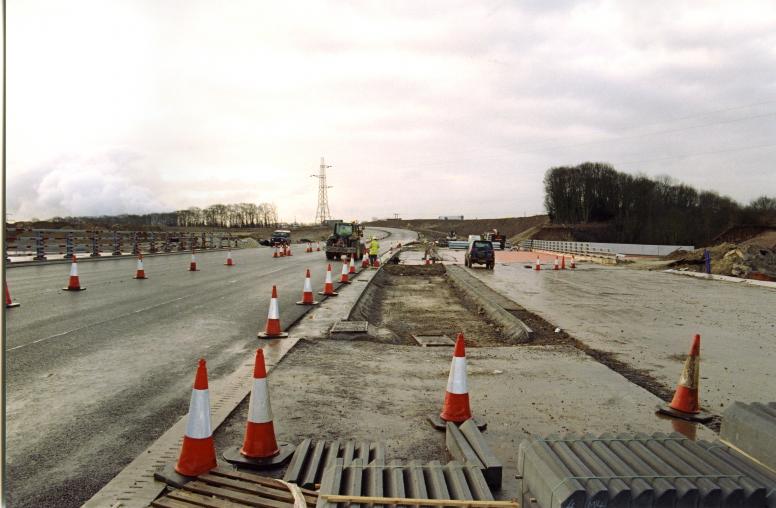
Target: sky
(421, 108)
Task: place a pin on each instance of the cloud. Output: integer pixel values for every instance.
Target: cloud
(420, 107)
(103, 185)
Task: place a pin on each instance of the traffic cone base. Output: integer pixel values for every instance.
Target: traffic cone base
(324, 293)
(302, 302)
(438, 423)
(140, 276)
(234, 456)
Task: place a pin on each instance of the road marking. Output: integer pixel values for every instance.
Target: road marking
(119, 317)
(95, 324)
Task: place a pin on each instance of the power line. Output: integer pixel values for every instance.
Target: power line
(697, 154)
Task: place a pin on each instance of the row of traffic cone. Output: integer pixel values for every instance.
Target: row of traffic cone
(74, 282)
(272, 328)
(260, 447)
(556, 266)
(310, 247)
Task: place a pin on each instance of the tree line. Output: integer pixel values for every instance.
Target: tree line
(236, 215)
(646, 210)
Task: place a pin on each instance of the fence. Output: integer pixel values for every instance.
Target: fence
(41, 243)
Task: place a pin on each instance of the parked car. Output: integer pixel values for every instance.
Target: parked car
(480, 252)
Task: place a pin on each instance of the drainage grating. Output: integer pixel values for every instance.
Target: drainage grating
(639, 470)
(433, 340)
(350, 327)
(311, 458)
(396, 480)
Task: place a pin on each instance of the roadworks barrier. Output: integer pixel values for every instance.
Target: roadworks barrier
(477, 294)
(625, 470)
(751, 428)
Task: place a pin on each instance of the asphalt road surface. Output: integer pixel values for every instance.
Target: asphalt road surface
(94, 377)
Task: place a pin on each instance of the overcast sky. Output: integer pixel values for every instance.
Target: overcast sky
(422, 108)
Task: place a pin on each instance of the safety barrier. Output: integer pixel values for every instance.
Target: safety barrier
(43, 242)
(577, 248)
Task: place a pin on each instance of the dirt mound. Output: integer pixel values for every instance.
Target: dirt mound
(747, 260)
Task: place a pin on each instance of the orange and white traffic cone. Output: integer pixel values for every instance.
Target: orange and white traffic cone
(272, 329)
(260, 447)
(555, 265)
(563, 262)
(365, 261)
(8, 302)
(456, 405)
(282, 251)
(307, 292)
(74, 284)
(352, 267)
(309, 247)
(428, 261)
(140, 272)
(229, 261)
(344, 275)
(328, 286)
(538, 265)
(685, 403)
(198, 451)
(275, 254)
(193, 263)
(573, 264)
(318, 246)
(288, 251)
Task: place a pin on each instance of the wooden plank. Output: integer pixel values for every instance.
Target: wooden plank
(232, 495)
(370, 500)
(252, 488)
(261, 480)
(193, 499)
(166, 502)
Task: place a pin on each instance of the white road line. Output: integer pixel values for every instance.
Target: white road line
(117, 317)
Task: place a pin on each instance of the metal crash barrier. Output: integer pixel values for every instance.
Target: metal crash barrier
(41, 243)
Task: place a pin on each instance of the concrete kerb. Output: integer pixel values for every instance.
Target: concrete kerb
(724, 278)
(751, 428)
(476, 294)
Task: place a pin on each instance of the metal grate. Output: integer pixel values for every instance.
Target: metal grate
(311, 458)
(639, 470)
(350, 327)
(414, 480)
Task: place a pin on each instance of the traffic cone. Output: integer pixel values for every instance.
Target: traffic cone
(573, 264)
(275, 254)
(193, 264)
(229, 261)
(538, 265)
(8, 302)
(563, 262)
(365, 261)
(260, 448)
(272, 329)
(555, 264)
(328, 286)
(685, 403)
(307, 292)
(376, 264)
(318, 246)
(140, 273)
(456, 405)
(309, 247)
(198, 451)
(352, 267)
(428, 261)
(288, 251)
(74, 284)
(282, 251)
(344, 275)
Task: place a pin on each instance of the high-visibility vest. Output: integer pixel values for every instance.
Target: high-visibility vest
(374, 248)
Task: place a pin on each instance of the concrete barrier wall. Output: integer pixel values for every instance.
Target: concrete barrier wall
(603, 249)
